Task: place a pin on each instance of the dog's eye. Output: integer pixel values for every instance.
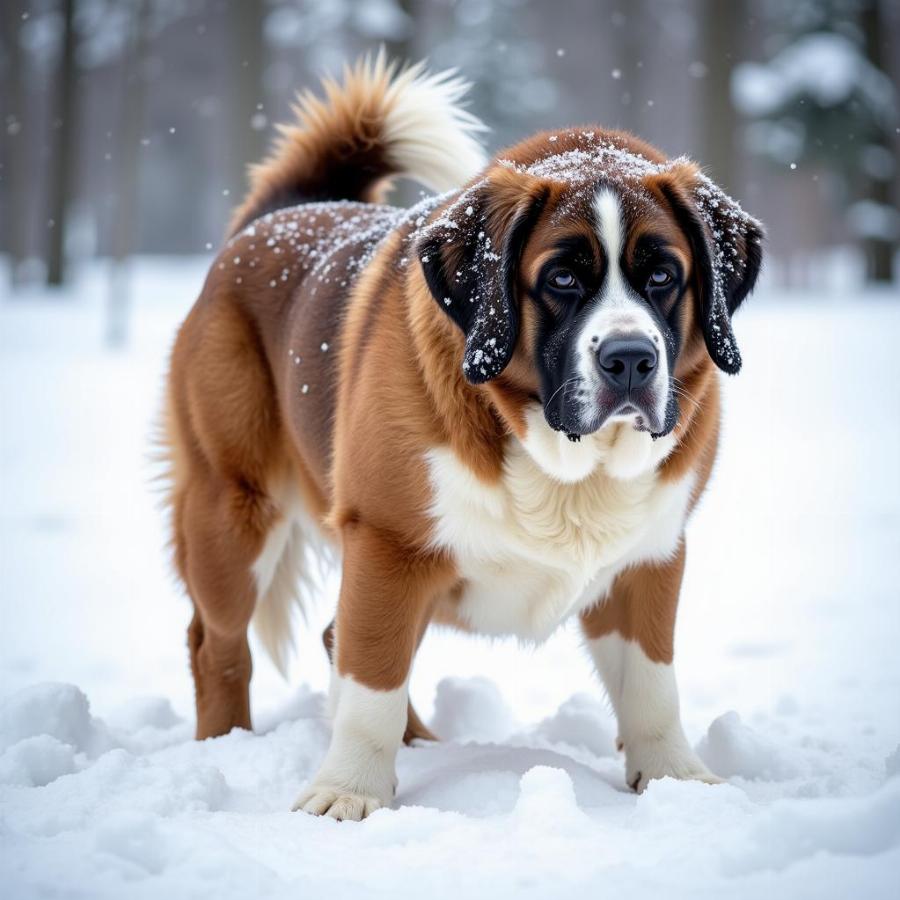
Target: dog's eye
(659, 278)
(563, 280)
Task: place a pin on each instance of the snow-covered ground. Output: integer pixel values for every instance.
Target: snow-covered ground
(787, 654)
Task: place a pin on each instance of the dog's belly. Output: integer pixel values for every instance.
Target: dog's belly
(532, 551)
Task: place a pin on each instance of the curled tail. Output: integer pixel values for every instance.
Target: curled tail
(380, 121)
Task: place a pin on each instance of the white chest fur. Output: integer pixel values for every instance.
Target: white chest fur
(533, 549)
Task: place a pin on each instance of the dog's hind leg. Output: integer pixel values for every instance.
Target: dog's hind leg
(217, 534)
(223, 442)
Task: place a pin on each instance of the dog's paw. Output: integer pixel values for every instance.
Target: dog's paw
(322, 800)
(648, 759)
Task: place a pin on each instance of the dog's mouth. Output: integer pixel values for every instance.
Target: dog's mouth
(640, 410)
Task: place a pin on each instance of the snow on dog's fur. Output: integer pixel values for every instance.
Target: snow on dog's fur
(499, 406)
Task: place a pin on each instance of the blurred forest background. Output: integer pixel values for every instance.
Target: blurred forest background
(127, 124)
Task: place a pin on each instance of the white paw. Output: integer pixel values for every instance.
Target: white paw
(322, 800)
(647, 759)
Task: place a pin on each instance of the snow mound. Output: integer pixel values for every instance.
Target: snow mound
(117, 783)
(692, 803)
(60, 711)
(145, 712)
(730, 748)
(486, 779)
(548, 793)
(36, 761)
(788, 832)
(475, 819)
(582, 722)
(134, 844)
(471, 709)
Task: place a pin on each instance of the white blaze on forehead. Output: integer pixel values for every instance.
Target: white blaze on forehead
(609, 227)
(611, 231)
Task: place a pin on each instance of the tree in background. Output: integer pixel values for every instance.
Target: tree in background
(488, 41)
(14, 156)
(824, 99)
(881, 175)
(133, 102)
(720, 34)
(249, 120)
(63, 148)
(154, 166)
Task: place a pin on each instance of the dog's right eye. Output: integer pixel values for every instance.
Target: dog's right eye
(659, 278)
(563, 280)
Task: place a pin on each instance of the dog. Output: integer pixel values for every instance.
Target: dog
(498, 408)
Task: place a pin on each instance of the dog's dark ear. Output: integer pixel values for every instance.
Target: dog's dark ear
(726, 245)
(470, 256)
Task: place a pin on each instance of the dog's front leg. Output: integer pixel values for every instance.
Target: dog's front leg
(631, 638)
(386, 594)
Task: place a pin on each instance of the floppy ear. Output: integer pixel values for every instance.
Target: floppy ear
(726, 245)
(470, 256)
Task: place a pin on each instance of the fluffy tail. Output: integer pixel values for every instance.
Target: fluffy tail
(378, 122)
(287, 580)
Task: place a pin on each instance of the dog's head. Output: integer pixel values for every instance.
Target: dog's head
(592, 274)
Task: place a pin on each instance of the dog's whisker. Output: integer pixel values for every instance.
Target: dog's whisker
(562, 387)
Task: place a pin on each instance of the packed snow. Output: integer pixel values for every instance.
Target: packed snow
(786, 654)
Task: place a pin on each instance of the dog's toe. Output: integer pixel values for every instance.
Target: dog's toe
(340, 805)
(353, 807)
(315, 801)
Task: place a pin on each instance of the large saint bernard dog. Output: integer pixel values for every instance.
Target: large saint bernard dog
(498, 407)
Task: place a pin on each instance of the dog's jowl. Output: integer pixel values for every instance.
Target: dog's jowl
(496, 409)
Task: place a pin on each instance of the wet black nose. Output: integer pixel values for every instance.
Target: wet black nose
(627, 362)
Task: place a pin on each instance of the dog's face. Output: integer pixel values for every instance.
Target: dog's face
(593, 276)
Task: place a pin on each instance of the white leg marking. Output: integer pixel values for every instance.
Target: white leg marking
(645, 698)
(358, 774)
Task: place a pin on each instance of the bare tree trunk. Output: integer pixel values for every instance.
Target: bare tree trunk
(16, 135)
(131, 120)
(63, 155)
(720, 24)
(248, 140)
(879, 250)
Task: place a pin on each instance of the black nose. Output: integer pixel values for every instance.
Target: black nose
(628, 362)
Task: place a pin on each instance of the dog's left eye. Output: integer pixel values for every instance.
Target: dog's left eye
(659, 278)
(563, 280)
